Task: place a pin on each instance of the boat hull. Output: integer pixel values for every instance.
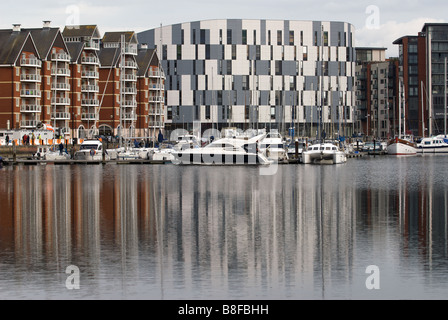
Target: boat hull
(197, 158)
(401, 148)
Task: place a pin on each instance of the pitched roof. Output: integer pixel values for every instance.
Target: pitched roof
(145, 59)
(109, 56)
(44, 38)
(82, 31)
(75, 49)
(12, 44)
(115, 37)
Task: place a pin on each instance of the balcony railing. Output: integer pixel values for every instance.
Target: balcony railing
(90, 117)
(129, 77)
(129, 50)
(30, 108)
(90, 60)
(156, 124)
(31, 63)
(156, 87)
(30, 93)
(60, 72)
(91, 74)
(92, 45)
(60, 101)
(155, 74)
(156, 99)
(90, 88)
(28, 124)
(60, 116)
(128, 90)
(129, 103)
(60, 57)
(90, 102)
(30, 77)
(60, 86)
(130, 64)
(129, 117)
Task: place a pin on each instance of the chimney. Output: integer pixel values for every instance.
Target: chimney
(47, 24)
(16, 27)
(144, 46)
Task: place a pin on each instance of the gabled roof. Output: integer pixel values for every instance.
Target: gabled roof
(75, 49)
(45, 38)
(12, 45)
(115, 37)
(145, 59)
(82, 31)
(109, 57)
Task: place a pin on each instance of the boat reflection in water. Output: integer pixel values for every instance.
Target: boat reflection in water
(194, 232)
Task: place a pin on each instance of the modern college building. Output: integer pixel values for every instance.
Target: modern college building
(271, 74)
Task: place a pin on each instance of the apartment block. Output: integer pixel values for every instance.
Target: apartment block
(258, 73)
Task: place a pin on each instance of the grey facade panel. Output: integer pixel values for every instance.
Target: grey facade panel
(176, 34)
(236, 25)
(262, 67)
(317, 29)
(263, 32)
(289, 68)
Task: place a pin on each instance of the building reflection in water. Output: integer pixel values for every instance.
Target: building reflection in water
(199, 232)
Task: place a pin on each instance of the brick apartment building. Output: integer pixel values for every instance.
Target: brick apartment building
(79, 83)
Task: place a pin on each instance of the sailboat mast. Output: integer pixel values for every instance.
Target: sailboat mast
(423, 111)
(445, 104)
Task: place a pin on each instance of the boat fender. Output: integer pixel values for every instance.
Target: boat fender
(92, 152)
(268, 153)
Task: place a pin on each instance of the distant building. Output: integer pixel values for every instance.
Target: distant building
(422, 70)
(257, 74)
(376, 92)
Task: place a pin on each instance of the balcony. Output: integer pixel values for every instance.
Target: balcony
(129, 77)
(87, 88)
(90, 102)
(30, 78)
(27, 124)
(156, 124)
(90, 74)
(60, 86)
(128, 90)
(129, 50)
(30, 93)
(90, 117)
(129, 103)
(155, 74)
(130, 64)
(93, 45)
(62, 72)
(60, 116)
(60, 57)
(129, 117)
(60, 101)
(156, 87)
(156, 99)
(90, 60)
(30, 108)
(33, 62)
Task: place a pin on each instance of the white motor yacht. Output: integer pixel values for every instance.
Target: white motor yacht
(436, 144)
(225, 151)
(324, 151)
(273, 147)
(91, 150)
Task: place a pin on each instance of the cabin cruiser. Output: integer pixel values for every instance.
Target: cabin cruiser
(273, 147)
(435, 144)
(324, 151)
(225, 151)
(91, 150)
(402, 146)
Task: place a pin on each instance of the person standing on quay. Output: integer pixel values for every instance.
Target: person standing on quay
(7, 140)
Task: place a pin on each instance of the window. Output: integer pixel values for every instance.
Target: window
(305, 53)
(255, 37)
(272, 113)
(301, 38)
(269, 37)
(279, 38)
(234, 52)
(207, 113)
(179, 52)
(291, 38)
(229, 36)
(202, 32)
(326, 38)
(244, 36)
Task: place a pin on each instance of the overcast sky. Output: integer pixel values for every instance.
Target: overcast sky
(377, 23)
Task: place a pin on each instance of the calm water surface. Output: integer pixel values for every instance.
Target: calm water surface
(171, 232)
